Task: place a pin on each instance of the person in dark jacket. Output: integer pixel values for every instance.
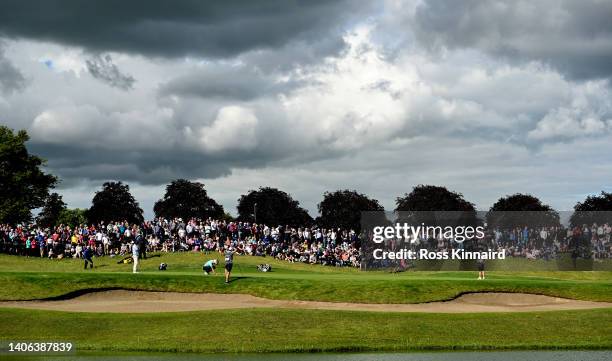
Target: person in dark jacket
(87, 254)
(142, 245)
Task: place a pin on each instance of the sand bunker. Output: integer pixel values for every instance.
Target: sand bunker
(121, 301)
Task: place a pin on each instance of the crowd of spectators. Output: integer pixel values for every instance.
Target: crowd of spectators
(547, 242)
(314, 245)
(587, 242)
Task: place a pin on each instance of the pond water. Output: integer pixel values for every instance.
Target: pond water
(425, 356)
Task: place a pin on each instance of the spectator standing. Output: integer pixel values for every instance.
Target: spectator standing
(135, 256)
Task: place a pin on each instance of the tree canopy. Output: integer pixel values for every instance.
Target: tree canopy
(435, 205)
(187, 200)
(343, 208)
(519, 210)
(594, 209)
(23, 184)
(73, 217)
(114, 203)
(271, 206)
(50, 214)
(432, 198)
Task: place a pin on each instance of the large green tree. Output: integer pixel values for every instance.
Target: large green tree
(271, 206)
(343, 208)
(519, 210)
(188, 200)
(114, 203)
(23, 184)
(594, 209)
(435, 205)
(53, 208)
(72, 217)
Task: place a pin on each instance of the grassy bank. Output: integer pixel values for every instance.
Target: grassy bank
(40, 278)
(261, 330)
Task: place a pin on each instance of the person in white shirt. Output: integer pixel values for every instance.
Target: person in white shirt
(79, 252)
(135, 256)
(106, 244)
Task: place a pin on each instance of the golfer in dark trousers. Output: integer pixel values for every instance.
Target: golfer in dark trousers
(229, 260)
(87, 254)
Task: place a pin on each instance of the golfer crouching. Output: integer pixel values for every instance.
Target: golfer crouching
(210, 266)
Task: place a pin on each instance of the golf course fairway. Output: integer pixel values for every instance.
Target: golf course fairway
(295, 329)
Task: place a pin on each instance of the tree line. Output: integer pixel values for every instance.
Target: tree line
(24, 186)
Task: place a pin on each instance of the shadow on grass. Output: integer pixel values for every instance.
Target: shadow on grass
(237, 278)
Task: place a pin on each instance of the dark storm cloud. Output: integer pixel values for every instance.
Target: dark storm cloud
(574, 37)
(170, 29)
(73, 164)
(103, 68)
(296, 53)
(227, 82)
(11, 79)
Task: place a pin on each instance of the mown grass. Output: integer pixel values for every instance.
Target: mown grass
(35, 278)
(263, 330)
(191, 262)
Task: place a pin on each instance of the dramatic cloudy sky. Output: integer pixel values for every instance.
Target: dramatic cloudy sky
(485, 97)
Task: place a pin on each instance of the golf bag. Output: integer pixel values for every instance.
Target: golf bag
(126, 260)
